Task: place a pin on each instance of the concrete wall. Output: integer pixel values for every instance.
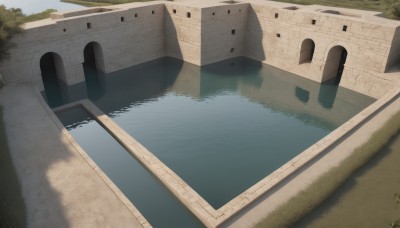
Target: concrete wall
(209, 31)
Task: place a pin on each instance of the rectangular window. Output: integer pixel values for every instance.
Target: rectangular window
(276, 15)
(152, 12)
(313, 22)
(188, 14)
(344, 28)
(174, 11)
(136, 15)
(122, 19)
(278, 35)
(233, 32)
(232, 50)
(88, 25)
(229, 12)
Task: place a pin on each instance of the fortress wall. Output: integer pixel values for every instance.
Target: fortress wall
(223, 31)
(183, 32)
(206, 32)
(123, 43)
(367, 44)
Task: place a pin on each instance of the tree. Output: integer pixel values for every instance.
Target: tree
(10, 21)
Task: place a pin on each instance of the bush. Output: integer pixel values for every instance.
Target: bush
(10, 21)
(393, 11)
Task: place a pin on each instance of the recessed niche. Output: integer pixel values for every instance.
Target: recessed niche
(292, 8)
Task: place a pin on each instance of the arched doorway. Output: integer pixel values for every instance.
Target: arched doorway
(52, 70)
(93, 56)
(307, 51)
(334, 65)
(93, 66)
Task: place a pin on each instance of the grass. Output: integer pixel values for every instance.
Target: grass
(38, 16)
(310, 198)
(87, 3)
(90, 3)
(12, 206)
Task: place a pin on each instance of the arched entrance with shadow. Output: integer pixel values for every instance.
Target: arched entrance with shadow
(307, 51)
(334, 65)
(93, 66)
(52, 69)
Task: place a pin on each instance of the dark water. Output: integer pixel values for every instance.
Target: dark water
(157, 205)
(221, 127)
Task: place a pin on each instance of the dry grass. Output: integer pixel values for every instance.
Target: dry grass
(303, 203)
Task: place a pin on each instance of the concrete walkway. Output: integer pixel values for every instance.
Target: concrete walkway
(59, 186)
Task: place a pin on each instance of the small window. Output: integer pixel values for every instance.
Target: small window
(229, 11)
(122, 19)
(344, 28)
(152, 12)
(276, 15)
(64, 30)
(313, 22)
(136, 15)
(174, 11)
(233, 32)
(88, 25)
(213, 13)
(232, 50)
(188, 14)
(278, 35)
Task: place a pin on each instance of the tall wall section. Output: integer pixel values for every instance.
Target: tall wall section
(276, 32)
(204, 32)
(126, 36)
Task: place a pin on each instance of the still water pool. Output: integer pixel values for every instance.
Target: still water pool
(37, 6)
(221, 128)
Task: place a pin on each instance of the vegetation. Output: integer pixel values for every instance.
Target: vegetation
(38, 16)
(87, 3)
(10, 21)
(12, 206)
(308, 199)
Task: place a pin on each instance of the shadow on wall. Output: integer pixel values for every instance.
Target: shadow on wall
(172, 46)
(254, 43)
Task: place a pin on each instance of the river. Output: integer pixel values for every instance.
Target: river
(37, 6)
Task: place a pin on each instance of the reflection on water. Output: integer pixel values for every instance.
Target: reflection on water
(221, 127)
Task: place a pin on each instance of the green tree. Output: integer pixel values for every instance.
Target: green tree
(10, 21)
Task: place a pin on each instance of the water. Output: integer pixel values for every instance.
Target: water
(37, 6)
(154, 201)
(222, 127)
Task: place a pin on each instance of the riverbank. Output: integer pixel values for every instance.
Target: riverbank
(369, 193)
(315, 194)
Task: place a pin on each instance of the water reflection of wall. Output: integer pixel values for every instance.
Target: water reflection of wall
(271, 87)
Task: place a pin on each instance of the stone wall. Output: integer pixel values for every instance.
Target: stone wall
(209, 31)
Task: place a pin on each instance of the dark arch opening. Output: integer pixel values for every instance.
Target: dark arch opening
(93, 56)
(334, 65)
(52, 69)
(93, 68)
(307, 51)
